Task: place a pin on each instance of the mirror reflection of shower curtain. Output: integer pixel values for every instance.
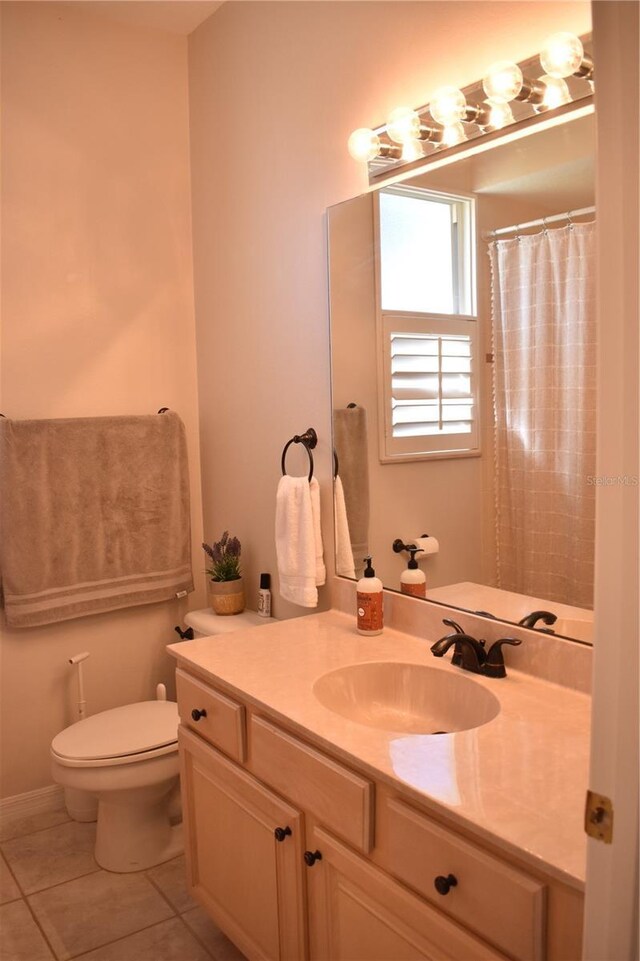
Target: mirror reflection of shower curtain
(545, 412)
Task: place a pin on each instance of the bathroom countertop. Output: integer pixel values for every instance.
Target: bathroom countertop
(518, 781)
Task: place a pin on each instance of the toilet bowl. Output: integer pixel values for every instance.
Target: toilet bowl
(127, 758)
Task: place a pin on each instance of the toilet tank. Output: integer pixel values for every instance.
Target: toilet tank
(205, 623)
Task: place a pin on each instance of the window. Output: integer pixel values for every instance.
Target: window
(426, 251)
(427, 331)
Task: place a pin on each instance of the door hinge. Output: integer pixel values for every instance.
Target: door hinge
(598, 817)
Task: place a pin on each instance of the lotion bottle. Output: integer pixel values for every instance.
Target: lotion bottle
(413, 580)
(369, 594)
(264, 596)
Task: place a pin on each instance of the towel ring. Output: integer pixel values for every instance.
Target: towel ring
(308, 440)
(335, 464)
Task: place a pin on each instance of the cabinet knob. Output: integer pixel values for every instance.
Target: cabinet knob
(443, 885)
(281, 833)
(196, 714)
(310, 858)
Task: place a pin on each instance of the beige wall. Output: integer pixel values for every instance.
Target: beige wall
(275, 90)
(98, 312)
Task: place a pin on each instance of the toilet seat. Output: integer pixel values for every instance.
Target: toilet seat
(123, 735)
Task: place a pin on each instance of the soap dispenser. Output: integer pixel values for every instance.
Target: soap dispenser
(413, 580)
(369, 594)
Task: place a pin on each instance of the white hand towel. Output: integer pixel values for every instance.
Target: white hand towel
(321, 571)
(345, 565)
(295, 542)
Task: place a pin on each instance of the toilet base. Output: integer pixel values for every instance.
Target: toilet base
(80, 805)
(134, 837)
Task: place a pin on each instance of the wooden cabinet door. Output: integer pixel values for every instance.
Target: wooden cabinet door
(358, 913)
(251, 884)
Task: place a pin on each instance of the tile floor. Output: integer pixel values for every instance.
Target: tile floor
(56, 903)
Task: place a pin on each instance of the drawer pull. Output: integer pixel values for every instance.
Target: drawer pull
(196, 714)
(310, 858)
(443, 885)
(281, 833)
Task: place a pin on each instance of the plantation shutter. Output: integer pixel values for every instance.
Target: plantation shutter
(430, 385)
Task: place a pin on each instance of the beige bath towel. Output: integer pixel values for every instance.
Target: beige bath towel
(95, 515)
(350, 440)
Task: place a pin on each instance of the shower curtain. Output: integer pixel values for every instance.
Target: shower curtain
(544, 340)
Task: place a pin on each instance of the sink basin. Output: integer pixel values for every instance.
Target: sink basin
(406, 698)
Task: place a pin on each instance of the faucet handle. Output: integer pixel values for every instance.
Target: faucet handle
(494, 663)
(451, 623)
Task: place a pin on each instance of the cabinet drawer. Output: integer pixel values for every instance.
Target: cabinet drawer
(501, 903)
(222, 722)
(342, 800)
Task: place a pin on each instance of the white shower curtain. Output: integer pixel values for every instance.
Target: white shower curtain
(545, 409)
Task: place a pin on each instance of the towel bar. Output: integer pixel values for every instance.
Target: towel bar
(309, 441)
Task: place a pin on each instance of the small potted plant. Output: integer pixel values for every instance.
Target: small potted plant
(226, 587)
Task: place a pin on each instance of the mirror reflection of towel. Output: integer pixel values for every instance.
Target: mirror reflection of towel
(345, 566)
(350, 440)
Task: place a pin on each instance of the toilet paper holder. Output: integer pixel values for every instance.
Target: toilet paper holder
(425, 545)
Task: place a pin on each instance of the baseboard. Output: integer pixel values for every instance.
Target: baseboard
(45, 799)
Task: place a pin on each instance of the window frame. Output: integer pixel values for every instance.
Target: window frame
(392, 450)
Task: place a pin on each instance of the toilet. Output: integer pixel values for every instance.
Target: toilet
(126, 760)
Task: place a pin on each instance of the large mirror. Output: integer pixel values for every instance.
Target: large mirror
(463, 379)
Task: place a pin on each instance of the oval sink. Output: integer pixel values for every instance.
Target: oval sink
(407, 698)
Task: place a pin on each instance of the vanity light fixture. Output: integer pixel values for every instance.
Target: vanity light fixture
(453, 133)
(403, 125)
(563, 56)
(505, 82)
(448, 106)
(502, 82)
(364, 144)
(509, 94)
(556, 92)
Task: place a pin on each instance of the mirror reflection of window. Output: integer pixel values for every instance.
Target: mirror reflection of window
(426, 256)
(427, 336)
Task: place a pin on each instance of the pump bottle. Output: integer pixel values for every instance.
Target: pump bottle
(369, 594)
(413, 580)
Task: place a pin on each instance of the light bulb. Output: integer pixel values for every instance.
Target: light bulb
(500, 115)
(448, 106)
(412, 150)
(403, 125)
(503, 81)
(562, 55)
(556, 92)
(453, 133)
(363, 144)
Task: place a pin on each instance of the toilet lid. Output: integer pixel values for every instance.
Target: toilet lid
(132, 729)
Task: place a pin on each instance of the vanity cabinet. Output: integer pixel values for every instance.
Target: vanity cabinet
(251, 884)
(298, 856)
(359, 913)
